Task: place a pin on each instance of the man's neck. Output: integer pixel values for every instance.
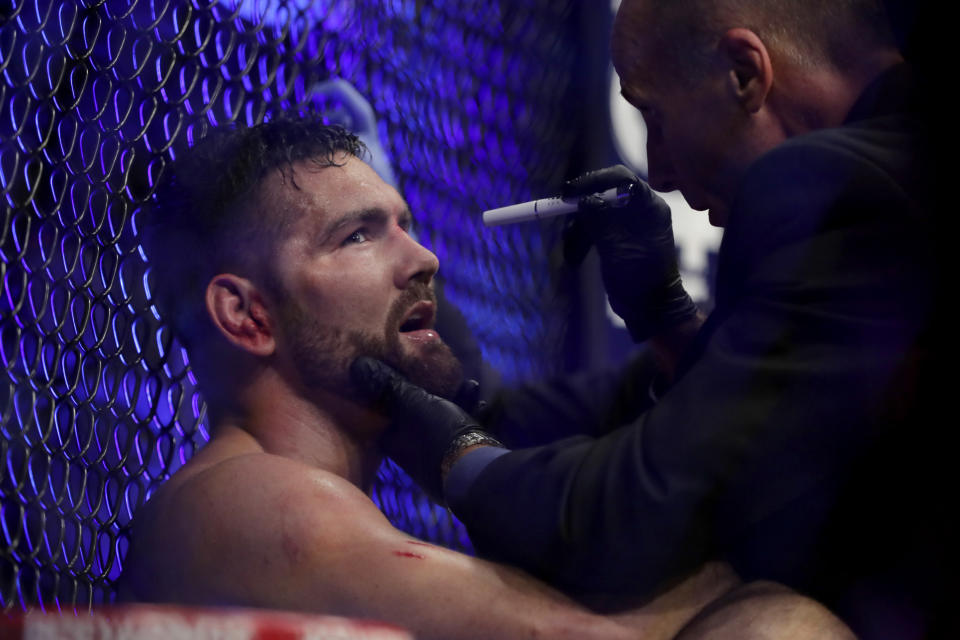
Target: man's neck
(326, 431)
(807, 100)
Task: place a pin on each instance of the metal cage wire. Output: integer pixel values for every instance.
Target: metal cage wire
(99, 404)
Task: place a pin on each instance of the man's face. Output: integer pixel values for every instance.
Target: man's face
(354, 282)
(694, 141)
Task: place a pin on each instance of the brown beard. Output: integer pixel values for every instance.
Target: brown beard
(322, 354)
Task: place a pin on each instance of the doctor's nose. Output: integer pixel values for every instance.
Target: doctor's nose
(660, 173)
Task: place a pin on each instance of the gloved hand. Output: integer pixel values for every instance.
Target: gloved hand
(637, 252)
(422, 425)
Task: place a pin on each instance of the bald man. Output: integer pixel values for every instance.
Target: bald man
(792, 431)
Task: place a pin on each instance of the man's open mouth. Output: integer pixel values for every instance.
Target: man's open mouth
(420, 316)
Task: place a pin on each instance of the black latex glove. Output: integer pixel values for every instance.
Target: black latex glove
(422, 425)
(638, 257)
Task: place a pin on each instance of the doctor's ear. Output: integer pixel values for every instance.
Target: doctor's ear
(239, 311)
(750, 74)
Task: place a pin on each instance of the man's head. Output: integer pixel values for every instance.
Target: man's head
(720, 82)
(276, 246)
(350, 281)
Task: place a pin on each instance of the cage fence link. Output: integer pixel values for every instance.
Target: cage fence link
(98, 403)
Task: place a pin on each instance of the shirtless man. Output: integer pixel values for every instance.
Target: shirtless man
(294, 259)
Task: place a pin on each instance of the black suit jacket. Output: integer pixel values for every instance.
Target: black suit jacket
(789, 443)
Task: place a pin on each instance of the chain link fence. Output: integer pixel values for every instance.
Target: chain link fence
(98, 403)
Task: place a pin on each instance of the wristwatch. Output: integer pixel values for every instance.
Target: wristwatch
(461, 442)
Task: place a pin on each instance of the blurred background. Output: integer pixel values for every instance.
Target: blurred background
(465, 105)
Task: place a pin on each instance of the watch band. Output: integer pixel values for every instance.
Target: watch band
(462, 442)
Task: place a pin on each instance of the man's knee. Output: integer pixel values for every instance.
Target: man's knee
(765, 610)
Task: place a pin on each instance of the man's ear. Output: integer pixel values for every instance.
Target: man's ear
(240, 313)
(750, 71)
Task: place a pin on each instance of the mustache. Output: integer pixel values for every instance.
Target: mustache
(416, 292)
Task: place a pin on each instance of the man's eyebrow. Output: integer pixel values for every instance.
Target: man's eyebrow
(374, 215)
(365, 216)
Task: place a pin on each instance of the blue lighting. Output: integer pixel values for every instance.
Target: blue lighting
(464, 106)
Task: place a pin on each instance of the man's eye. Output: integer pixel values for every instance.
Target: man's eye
(358, 236)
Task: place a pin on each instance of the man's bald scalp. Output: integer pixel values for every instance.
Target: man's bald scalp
(811, 33)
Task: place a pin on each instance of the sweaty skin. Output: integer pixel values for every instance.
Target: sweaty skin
(240, 526)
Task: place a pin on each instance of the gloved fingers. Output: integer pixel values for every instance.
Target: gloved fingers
(644, 196)
(576, 240)
(598, 181)
(597, 222)
(594, 221)
(388, 389)
(591, 204)
(377, 380)
(468, 395)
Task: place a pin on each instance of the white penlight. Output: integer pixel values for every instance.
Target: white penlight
(548, 208)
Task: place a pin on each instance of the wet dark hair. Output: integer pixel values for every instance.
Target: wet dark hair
(207, 214)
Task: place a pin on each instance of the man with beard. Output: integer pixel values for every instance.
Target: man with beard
(281, 257)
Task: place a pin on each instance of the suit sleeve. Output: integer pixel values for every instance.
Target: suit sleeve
(592, 403)
(822, 289)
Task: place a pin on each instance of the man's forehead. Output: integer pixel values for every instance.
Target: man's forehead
(633, 44)
(638, 80)
(311, 178)
(324, 192)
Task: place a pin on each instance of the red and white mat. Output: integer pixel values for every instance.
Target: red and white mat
(162, 622)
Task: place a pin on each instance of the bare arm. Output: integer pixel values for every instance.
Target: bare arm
(268, 532)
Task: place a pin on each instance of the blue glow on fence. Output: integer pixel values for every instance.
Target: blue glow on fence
(465, 120)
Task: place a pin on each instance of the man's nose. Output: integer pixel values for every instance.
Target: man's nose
(660, 173)
(419, 263)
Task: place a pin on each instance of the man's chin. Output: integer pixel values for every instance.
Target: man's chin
(716, 211)
(718, 216)
(433, 367)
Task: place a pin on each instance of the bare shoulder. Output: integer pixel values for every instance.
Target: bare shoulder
(257, 530)
(239, 531)
(254, 484)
